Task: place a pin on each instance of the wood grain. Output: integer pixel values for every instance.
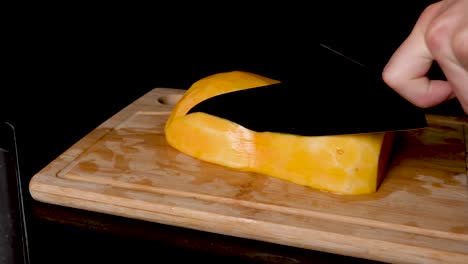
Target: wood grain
(125, 167)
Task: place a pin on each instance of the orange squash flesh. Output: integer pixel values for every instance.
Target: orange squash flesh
(342, 164)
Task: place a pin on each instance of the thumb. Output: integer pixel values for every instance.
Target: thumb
(407, 68)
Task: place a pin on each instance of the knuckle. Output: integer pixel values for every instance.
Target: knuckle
(460, 46)
(437, 35)
(392, 78)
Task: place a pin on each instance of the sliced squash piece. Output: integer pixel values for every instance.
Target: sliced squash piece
(342, 164)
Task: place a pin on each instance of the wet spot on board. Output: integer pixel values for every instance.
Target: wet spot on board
(146, 182)
(121, 163)
(244, 191)
(187, 163)
(460, 178)
(105, 154)
(412, 223)
(88, 167)
(460, 229)
(419, 190)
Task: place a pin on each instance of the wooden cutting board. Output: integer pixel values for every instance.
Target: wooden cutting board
(125, 167)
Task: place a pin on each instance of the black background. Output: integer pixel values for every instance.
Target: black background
(68, 68)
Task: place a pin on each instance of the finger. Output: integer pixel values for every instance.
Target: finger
(447, 39)
(460, 45)
(457, 76)
(407, 68)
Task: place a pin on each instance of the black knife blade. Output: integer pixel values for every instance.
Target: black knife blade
(336, 95)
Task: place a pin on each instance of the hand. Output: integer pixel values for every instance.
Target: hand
(440, 34)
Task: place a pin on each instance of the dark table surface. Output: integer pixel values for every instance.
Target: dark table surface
(69, 72)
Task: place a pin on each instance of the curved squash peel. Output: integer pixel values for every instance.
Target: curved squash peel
(342, 164)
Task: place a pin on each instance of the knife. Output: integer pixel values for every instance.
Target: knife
(336, 95)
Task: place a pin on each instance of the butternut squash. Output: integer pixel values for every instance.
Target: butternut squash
(341, 164)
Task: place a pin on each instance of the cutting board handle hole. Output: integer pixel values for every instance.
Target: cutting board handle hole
(170, 99)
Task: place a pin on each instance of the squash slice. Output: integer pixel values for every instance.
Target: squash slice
(341, 164)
